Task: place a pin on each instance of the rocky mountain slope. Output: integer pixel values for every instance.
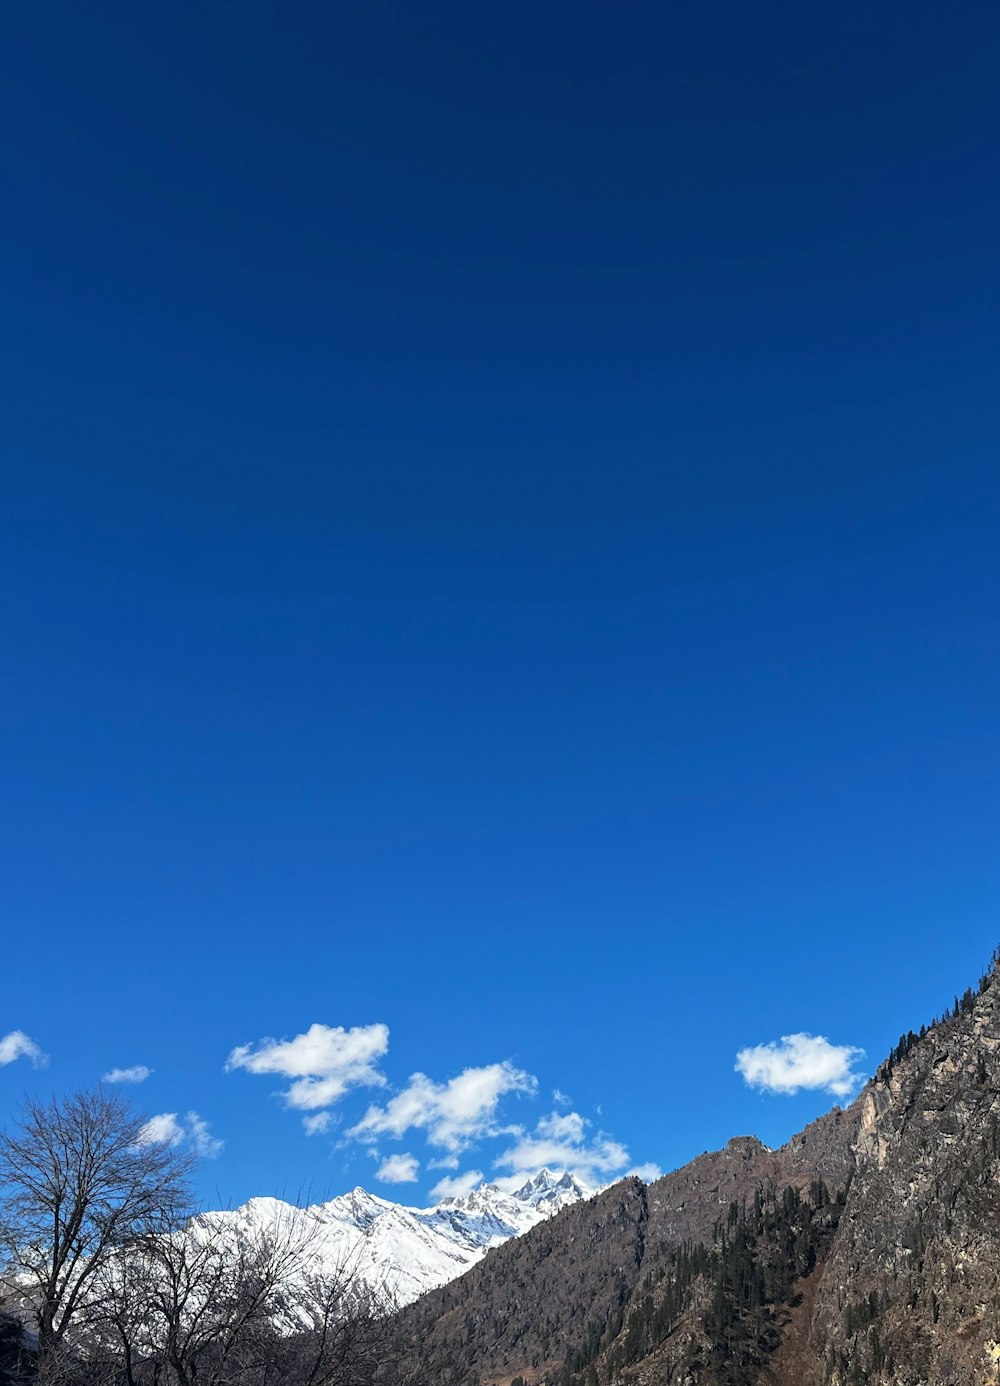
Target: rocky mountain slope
(865, 1250)
(911, 1291)
(401, 1252)
(562, 1293)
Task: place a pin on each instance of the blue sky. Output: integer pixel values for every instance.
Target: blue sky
(500, 569)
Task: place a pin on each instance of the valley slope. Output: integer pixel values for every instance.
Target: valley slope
(865, 1250)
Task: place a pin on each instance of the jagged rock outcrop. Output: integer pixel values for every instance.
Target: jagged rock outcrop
(865, 1250)
(911, 1291)
(685, 1205)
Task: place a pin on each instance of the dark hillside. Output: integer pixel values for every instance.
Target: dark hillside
(865, 1250)
(564, 1291)
(530, 1301)
(685, 1205)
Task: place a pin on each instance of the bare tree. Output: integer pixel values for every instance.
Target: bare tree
(79, 1178)
(209, 1299)
(123, 1287)
(345, 1331)
(250, 1305)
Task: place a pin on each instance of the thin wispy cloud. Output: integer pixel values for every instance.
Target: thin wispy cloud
(18, 1045)
(444, 1162)
(562, 1140)
(456, 1186)
(801, 1061)
(452, 1115)
(324, 1062)
(191, 1131)
(317, 1123)
(138, 1073)
(200, 1136)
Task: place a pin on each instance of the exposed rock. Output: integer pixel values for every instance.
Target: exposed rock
(910, 1293)
(533, 1302)
(743, 1267)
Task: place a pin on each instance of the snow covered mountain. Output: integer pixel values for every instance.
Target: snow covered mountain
(401, 1251)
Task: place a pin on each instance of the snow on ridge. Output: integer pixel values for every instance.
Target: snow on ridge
(404, 1251)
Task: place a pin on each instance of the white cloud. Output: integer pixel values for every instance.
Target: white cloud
(18, 1045)
(560, 1098)
(193, 1131)
(398, 1169)
(562, 1127)
(455, 1187)
(317, 1122)
(324, 1062)
(801, 1061)
(444, 1162)
(138, 1073)
(647, 1172)
(453, 1114)
(204, 1143)
(560, 1141)
(164, 1129)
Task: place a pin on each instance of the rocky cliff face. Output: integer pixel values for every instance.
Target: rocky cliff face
(866, 1250)
(911, 1291)
(685, 1205)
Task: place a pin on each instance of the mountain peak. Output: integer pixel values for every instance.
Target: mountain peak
(406, 1251)
(747, 1146)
